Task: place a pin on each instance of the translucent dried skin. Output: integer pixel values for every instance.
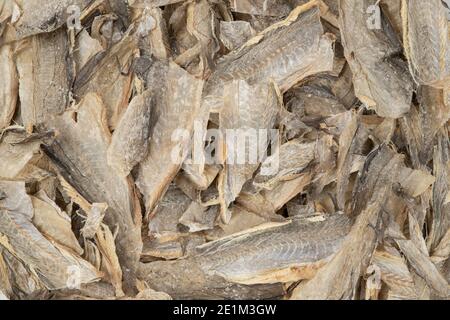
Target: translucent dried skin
(176, 108)
(381, 79)
(52, 263)
(80, 153)
(44, 77)
(427, 41)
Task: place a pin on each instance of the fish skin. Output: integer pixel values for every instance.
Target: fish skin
(10, 86)
(176, 108)
(339, 278)
(246, 107)
(44, 16)
(106, 74)
(79, 151)
(427, 41)
(130, 140)
(287, 53)
(50, 262)
(44, 77)
(381, 80)
(230, 262)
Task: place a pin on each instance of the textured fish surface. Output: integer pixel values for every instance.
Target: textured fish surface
(249, 261)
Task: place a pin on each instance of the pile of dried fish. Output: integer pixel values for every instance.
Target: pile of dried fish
(224, 149)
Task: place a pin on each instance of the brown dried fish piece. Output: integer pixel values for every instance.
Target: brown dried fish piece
(86, 47)
(339, 278)
(261, 7)
(173, 280)
(176, 109)
(393, 11)
(314, 101)
(130, 139)
(423, 123)
(293, 157)
(233, 34)
(419, 261)
(10, 86)
(190, 181)
(268, 254)
(108, 75)
(240, 221)
(164, 221)
(53, 264)
(415, 182)
(248, 111)
(80, 153)
(286, 52)
(441, 209)
(23, 283)
(427, 42)
(199, 218)
(153, 31)
(395, 274)
(381, 79)
(44, 17)
(200, 23)
(53, 223)
(18, 152)
(44, 77)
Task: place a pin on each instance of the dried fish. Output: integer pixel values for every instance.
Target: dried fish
(93, 178)
(44, 77)
(177, 107)
(427, 42)
(298, 257)
(380, 77)
(210, 149)
(53, 264)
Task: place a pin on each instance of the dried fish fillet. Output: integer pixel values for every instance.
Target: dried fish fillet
(427, 41)
(10, 86)
(248, 111)
(272, 253)
(177, 107)
(81, 160)
(338, 279)
(44, 77)
(52, 263)
(380, 77)
(287, 53)
(43, 17)
(130, 139)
